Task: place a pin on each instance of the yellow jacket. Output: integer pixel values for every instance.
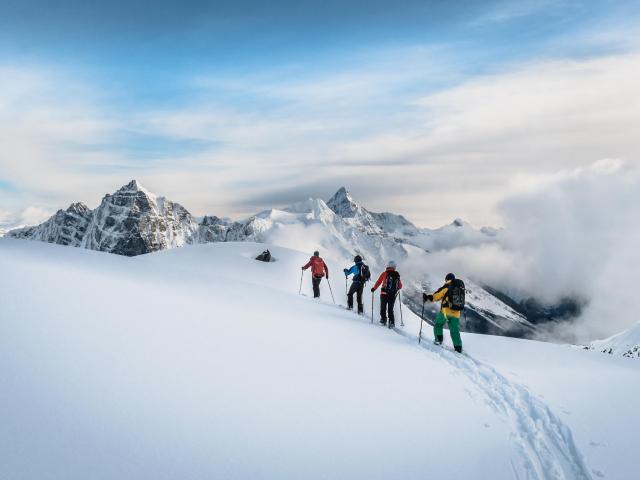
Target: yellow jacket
(441, 294)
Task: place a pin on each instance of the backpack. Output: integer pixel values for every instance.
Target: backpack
(392, 282)
(365, 273)
(264, 256)
(456, 295)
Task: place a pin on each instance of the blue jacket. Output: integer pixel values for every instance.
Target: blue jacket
(355, 270)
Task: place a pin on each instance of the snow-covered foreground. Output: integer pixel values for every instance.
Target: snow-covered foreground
(201, 362)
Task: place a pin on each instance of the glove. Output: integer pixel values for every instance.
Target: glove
(373, 290)
(327, 277)
(346, 271)
(302, 268)
(427, 298)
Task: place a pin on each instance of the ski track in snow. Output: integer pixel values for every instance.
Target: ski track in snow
(543, 442)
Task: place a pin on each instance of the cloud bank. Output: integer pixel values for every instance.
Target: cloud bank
(574, 234)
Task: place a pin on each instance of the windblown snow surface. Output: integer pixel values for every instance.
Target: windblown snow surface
(201, 362)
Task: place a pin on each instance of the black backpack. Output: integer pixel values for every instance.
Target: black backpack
(264, 256)
(456, 295)
(365, 273)
(392, 283)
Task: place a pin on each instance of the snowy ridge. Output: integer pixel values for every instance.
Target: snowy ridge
(625, 344)
(302, 370)
(65, 227)
(458, 233)
(133, 221)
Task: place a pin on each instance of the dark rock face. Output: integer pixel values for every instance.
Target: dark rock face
(66, 227)
(130, 222)
(537, 313)
(212, 229)
(133, 221)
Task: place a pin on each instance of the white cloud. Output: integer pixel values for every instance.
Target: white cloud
(31, 215)
(453, 153)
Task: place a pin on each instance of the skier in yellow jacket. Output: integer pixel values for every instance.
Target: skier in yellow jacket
(450, 309)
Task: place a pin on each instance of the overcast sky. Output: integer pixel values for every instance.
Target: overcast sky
(434, 109)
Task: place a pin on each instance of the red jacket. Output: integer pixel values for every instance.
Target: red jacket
(318, 267)
(382, 279)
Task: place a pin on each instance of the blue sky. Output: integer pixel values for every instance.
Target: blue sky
(231, 107)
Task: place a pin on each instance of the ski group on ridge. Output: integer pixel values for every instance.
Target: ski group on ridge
(451, 295)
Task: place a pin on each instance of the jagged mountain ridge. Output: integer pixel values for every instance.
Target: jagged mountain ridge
(132, 221)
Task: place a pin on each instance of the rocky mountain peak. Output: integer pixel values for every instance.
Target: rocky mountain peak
(342, 203)
(133, 185)
(133, 189)
(78, 208)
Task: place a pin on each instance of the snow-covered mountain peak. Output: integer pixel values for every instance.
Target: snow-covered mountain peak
(314, 208)
(134, 186)
(133, 221)
(78, 208)
(342, 204)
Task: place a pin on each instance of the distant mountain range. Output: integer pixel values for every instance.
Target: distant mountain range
(133, 221)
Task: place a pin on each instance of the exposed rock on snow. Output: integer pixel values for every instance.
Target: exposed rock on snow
(65, 227)
(625, 344)
(134, 221)
(130, 222)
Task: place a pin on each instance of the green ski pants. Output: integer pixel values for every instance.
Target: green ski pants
(454, 328)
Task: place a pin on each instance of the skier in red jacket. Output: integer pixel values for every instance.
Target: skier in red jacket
(318, 270)
(391, 285)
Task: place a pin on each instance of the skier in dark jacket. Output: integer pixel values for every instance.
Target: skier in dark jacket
(359, 271)
(391, 285)
(318, 271)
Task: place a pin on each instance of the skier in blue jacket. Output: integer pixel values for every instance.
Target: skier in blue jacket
(361, 274)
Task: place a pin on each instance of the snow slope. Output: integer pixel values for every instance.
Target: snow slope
(133, 221)
(201, 362)
(626, 344)
(341, 230)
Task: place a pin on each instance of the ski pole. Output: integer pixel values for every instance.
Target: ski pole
(371, 307)
(421, 322)
(334, 302)
(300, 289)
(401, 320)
